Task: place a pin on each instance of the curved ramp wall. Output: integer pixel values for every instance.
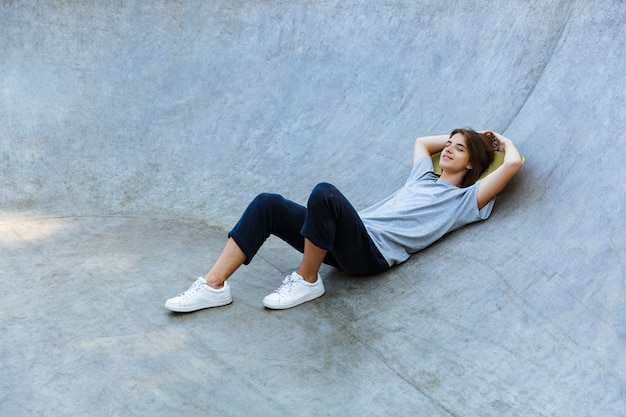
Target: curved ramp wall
(168, 108)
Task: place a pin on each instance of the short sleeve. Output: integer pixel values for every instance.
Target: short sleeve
(422, 166)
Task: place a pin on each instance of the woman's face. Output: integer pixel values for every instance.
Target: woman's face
(455, 156)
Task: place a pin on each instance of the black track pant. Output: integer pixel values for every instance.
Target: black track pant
(329, 221)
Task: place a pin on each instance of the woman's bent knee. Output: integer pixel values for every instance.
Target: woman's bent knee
(266, 200)
(324, 188)
(321, 192)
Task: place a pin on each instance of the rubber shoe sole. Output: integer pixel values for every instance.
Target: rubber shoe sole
(188, 308)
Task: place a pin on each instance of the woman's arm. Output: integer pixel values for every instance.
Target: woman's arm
(492, 184)
(428, 145)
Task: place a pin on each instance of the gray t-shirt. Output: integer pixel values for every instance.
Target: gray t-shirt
(420, 213)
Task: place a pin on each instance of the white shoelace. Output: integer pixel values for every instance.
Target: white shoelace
(195, 287)
(289, 283)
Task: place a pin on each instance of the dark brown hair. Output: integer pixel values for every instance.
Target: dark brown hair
(480, 147)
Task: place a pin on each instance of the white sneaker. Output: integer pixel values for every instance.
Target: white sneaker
(294, 291)
(200, 296)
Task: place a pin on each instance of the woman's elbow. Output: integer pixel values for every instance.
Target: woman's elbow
(513, 165)
(516, 165)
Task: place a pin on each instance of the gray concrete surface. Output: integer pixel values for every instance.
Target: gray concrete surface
(134, 133)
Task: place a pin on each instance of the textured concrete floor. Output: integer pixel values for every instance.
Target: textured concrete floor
(133, 134)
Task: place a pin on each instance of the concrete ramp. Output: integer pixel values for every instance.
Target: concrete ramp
(133, 134)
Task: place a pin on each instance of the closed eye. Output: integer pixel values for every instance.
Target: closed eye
(458, 146)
